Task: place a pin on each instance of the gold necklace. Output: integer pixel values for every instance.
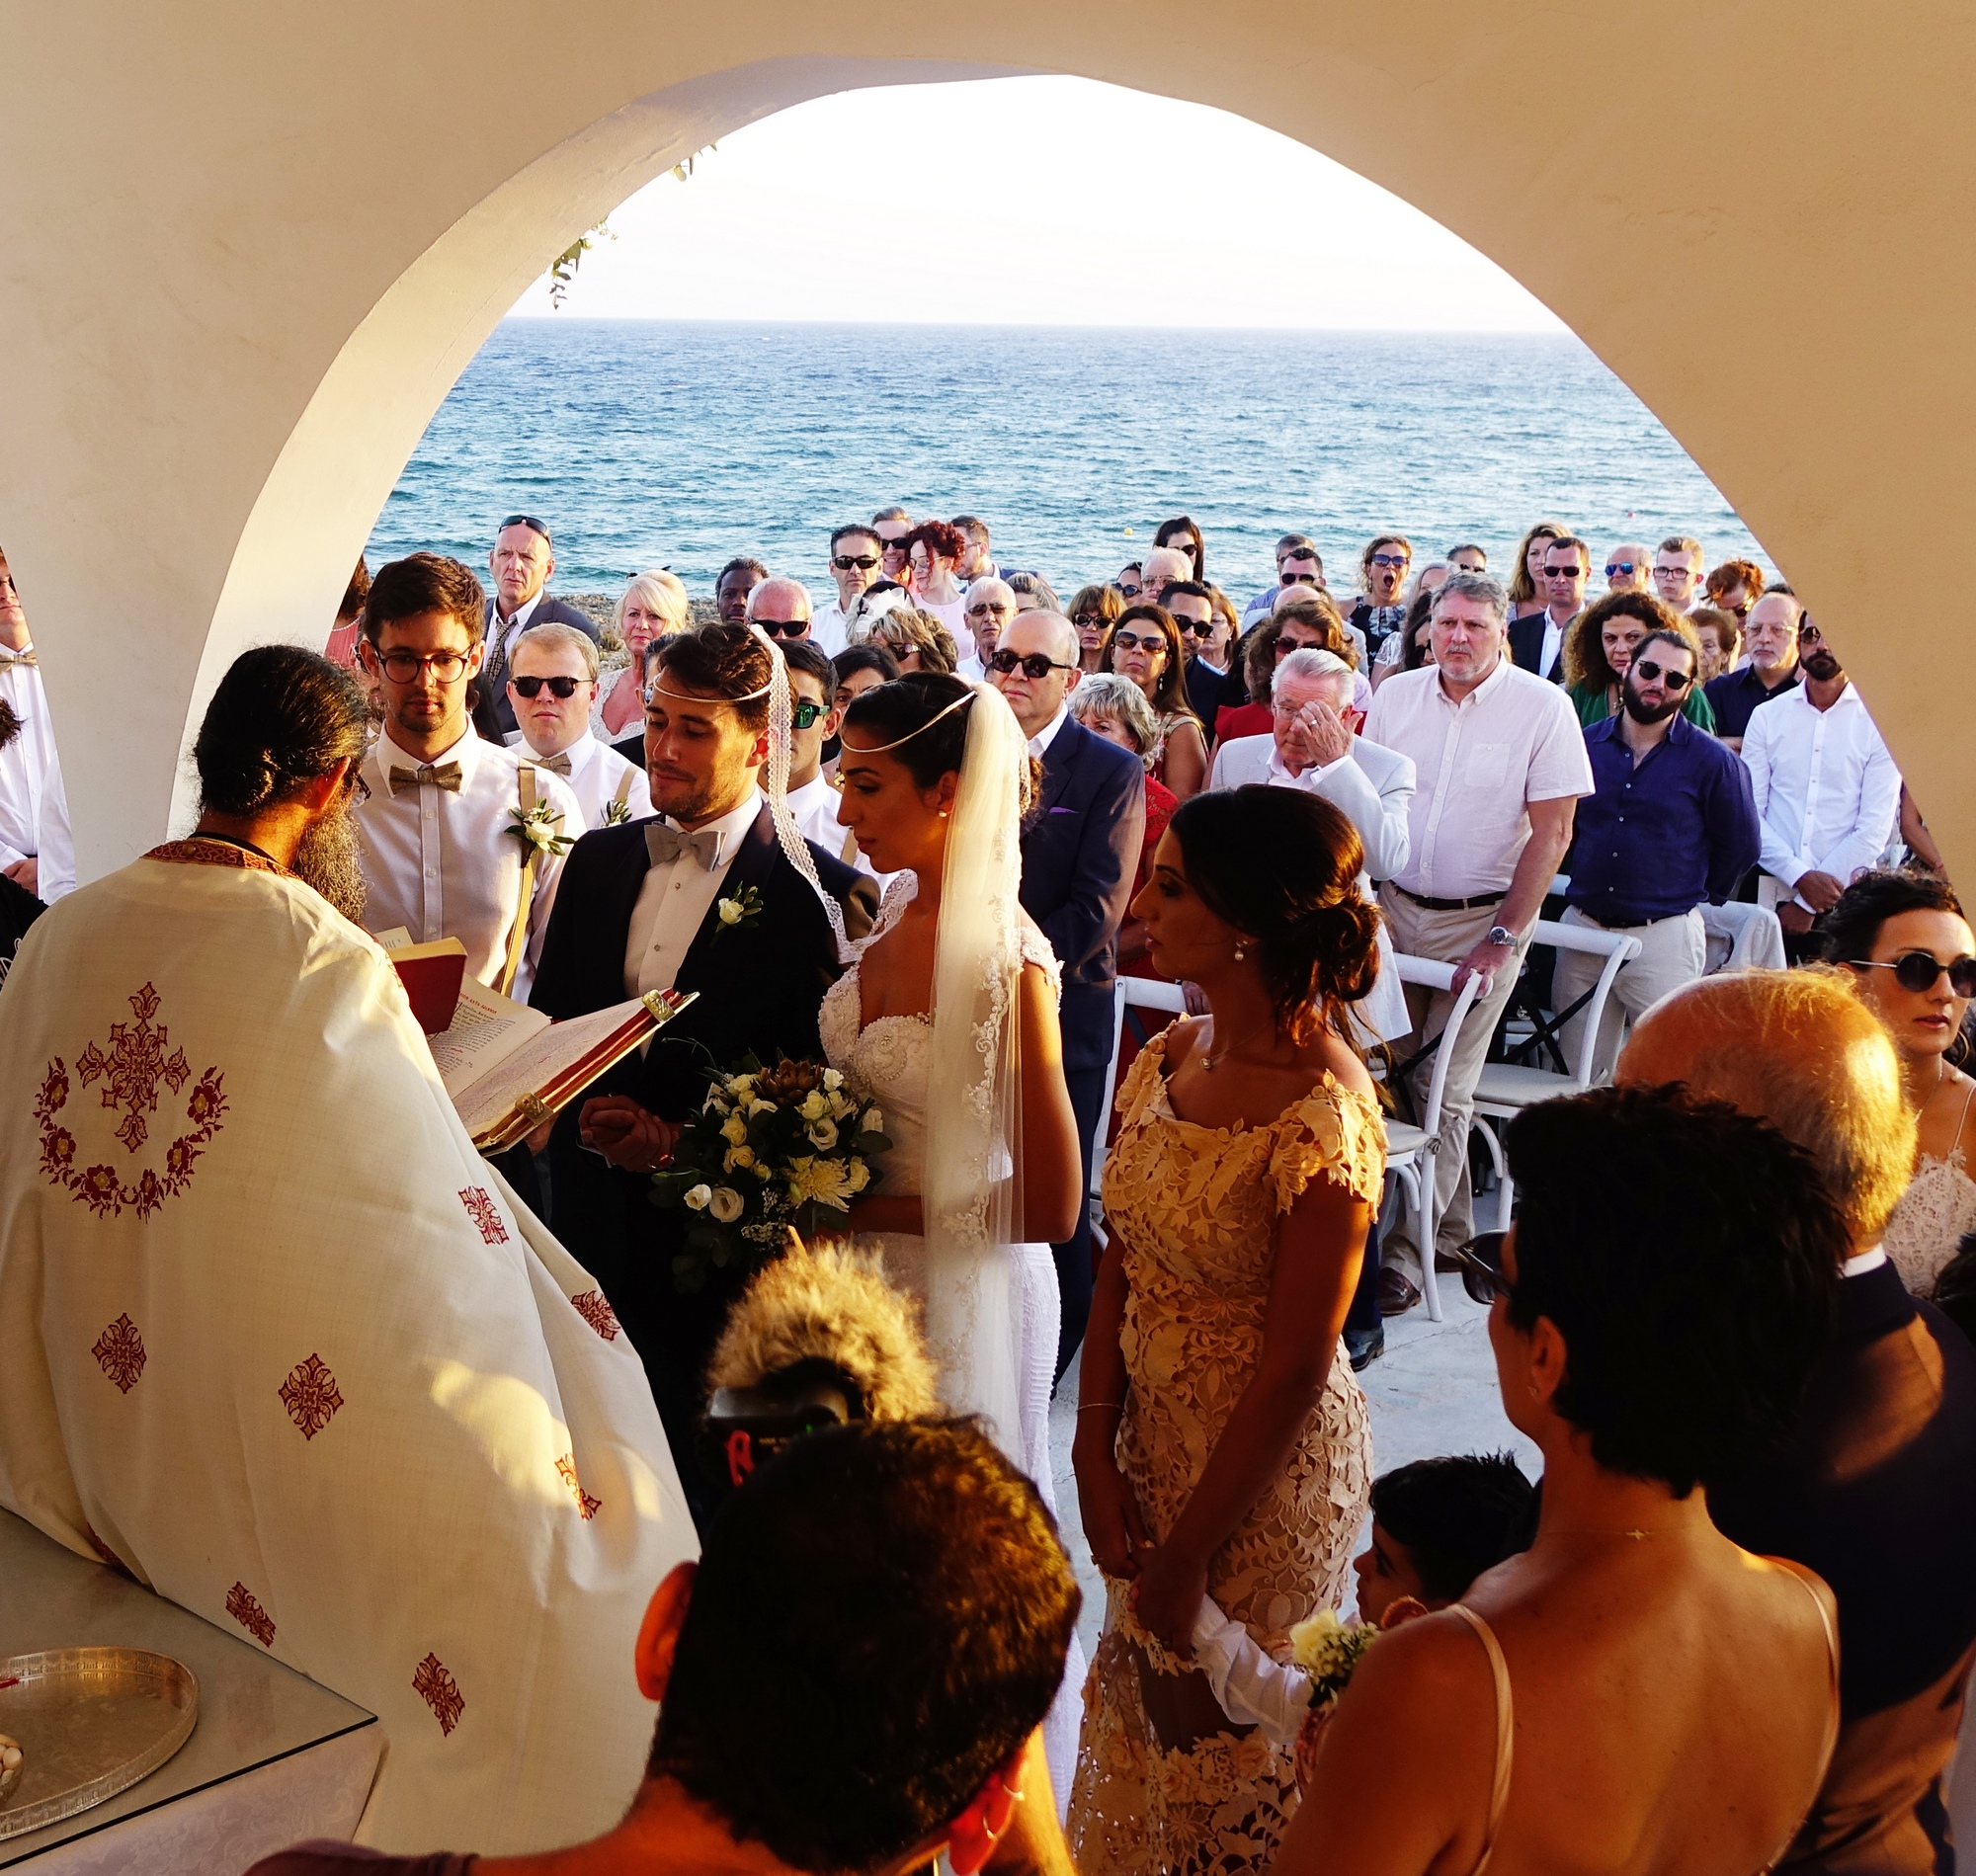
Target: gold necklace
(1208, 1063)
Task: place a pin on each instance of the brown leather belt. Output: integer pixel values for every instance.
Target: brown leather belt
(1451, 905)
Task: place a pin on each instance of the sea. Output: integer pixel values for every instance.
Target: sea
(680, 444)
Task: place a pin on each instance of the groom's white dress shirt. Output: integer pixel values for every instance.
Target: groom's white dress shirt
(443, 864)
(675, 897)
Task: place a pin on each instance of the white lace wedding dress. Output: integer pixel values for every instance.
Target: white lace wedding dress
(888, 1061)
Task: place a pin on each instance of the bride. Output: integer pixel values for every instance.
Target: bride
(947, 1018)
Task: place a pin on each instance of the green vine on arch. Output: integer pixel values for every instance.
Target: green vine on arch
(563, 269)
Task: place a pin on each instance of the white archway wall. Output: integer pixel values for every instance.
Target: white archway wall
(244, 252)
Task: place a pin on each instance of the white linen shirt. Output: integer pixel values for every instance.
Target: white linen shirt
(673, 900)
(827, 630)
(596, 772)
(1040, 742)
(1827, 791)
(1511, 740)
(445, 866)
(33, 813)
(814, 805)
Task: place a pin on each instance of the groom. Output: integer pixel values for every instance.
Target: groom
(640, 909)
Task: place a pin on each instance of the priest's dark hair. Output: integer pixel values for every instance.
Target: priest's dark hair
(281, 717)
(879, 1620)
(722, 661)
(425, 583)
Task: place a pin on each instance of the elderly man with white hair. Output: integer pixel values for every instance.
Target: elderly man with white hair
(781, 608)
(1630, 568)
(552, 677)
(990, 606)
(1314, 747)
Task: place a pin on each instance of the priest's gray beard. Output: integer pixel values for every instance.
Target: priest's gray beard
(326, 858)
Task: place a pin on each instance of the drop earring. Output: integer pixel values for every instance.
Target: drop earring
(1240, 953)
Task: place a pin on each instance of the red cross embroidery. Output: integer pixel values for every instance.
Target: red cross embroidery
(484, 1213)
(120, 1353)
(586, 1504)
(310, 1396)
(599, 1314)
(440, 1691)
(245, 1608)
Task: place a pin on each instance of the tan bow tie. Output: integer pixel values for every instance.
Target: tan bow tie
(555, 764)
(8, 658)
(665, 843)
(447, 775)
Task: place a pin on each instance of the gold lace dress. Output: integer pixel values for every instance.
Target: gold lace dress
(1195, 1209)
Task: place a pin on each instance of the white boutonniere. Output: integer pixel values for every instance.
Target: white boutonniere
(540, 830)
(743, 909)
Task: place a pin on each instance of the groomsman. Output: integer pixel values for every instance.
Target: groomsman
(1080, 854)
(36, 849)
(522, 563)
(552, 687)
(638, 912)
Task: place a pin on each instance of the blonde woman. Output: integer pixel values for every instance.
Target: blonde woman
(653, 604)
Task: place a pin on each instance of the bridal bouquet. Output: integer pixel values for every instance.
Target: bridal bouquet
(771, 1150)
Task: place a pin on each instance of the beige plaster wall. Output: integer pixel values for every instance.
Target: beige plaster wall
(245, 250)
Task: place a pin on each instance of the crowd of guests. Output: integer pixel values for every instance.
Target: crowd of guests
(1756, 1431)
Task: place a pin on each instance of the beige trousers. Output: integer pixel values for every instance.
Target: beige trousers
(1446, 937)
(1673, 952)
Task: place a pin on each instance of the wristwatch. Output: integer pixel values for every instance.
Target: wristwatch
(1500, 935)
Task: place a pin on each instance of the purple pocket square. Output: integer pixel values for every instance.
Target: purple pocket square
(1063, 810)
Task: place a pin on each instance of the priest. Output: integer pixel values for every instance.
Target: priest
(276, 1342)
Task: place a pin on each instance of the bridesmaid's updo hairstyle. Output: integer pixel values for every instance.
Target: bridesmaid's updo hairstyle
(915, 720)
(1282, 867)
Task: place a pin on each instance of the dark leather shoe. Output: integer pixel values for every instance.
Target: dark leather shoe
(1396, 1294)
(1365, 1346)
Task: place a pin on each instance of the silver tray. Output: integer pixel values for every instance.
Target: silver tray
(91, 1721)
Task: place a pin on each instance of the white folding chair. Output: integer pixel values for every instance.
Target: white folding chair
(1411, 1150)
(1506, 1088)
(1144, 992)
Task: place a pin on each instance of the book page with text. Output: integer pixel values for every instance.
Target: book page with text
(538, 1062)
(486, 1028)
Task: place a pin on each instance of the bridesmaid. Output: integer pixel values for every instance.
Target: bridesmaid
(1222, 1446)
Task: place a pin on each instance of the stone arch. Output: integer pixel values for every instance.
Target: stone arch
(243, 253)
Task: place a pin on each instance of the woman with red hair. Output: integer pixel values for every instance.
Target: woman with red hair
(932, 550)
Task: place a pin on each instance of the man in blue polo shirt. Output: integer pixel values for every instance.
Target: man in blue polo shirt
(1769, 636)
(1671, 822)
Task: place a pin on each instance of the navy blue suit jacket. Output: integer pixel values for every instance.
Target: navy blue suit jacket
(1080, 857)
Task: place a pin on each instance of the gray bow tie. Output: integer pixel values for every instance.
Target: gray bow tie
(665, 843)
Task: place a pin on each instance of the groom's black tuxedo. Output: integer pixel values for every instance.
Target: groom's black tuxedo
(761, 984)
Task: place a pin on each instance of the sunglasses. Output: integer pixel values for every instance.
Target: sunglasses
(1391, 559)
(1564, 573)
(1133, 641)
(1741, 612)
(1481, 1264)
(1195, 627)
(1310, 578)
(1652, 673)
(1920, 972)
(898, 547)
(403, 667)
(531, 687)
(1088, 622)
(991, 608)
(1130, 592)
(1810, 636)
(527, 520)
(805, 714)
(1619, 566)
(1036, 667)
(784, 627)
(864, 562)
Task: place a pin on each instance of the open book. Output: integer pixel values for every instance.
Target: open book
(508, 1068)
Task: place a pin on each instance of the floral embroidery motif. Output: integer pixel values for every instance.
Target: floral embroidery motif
(310, 1396)
(440, 1691)
(245, 1608)
(131, 1071)
(120, 1353)
(484, 1213)
(599, 1314)
(585, 1503)
(104, 1551)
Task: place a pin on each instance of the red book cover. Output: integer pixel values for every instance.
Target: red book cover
(432, 974)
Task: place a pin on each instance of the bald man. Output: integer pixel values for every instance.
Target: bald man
(1876, 1488)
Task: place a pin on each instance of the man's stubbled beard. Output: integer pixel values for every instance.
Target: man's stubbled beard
(326, 858)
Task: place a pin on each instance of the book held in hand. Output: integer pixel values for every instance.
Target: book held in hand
(431, 974)
(509, 1068)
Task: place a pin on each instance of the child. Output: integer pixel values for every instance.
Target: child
(1437, 1525)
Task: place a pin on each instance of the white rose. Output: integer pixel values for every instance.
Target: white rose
(873, 1123)
(840, 1105)
(857, 1176)
(762, 1169)
(814, 1106)
(735, 1132)
(833, 1080)
(727, 1204)
(730, 912)
(700, 1197)
(740, 1156)
(741, 1085)
(760, 1107)
(823, 1134)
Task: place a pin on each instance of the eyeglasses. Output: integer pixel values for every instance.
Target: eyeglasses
(531, 687)
(527, 520)
(864, 562)
(1391, 560)
(784, 627)
(1133, 641)
(404, 667)
(1036, 667)
(1652, 673)
(1481, 1263)
(991, 608)
(1619, 566)
(806, 714)
(1920, 972)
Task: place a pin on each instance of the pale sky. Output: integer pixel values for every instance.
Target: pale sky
(1031, 202)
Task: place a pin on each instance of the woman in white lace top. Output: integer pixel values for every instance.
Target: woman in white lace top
(1912, 959)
